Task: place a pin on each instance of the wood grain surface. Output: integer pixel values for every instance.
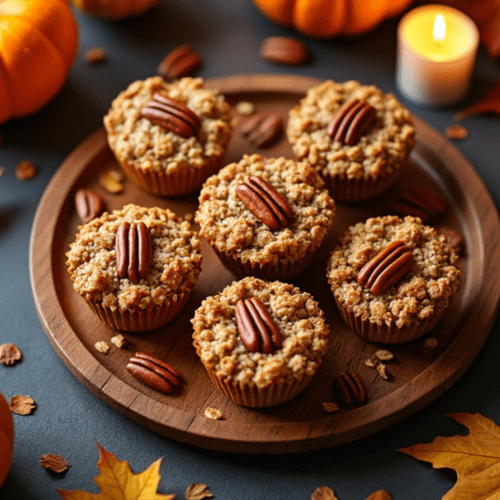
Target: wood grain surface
(417, 376)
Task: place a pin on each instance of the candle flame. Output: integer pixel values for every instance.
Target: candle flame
(439, 27)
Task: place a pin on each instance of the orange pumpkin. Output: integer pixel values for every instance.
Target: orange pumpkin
(114, 9)
(6, 438)
(38, 43)
(328, 18)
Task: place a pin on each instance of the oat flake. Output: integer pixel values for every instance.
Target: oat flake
(119, 340)
(213, 413)
(102, 346)
(382, 371)
(329, 407)
(384, 355)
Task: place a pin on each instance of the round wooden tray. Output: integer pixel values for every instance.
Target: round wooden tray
(417, 375)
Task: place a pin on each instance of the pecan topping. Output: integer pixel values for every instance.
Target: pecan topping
(265, 203)
(134, 251)
(349, 388)
(351, 121)
(88, 204)
(430, 206)
(386, 268)
(256, 327)
(171, 115)
(261, 130)
(154, 372)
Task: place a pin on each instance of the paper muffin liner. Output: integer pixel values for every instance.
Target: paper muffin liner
(181, 182)
(385, 334)
(139, 320)
(248, 394)
(281, 271)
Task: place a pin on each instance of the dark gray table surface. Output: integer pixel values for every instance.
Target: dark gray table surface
(69, 418)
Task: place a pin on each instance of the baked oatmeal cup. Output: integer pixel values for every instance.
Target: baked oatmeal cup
(260, 369)
(265, 217)
(169, 137)
(357, 137)
(135, 267)
(392, 278)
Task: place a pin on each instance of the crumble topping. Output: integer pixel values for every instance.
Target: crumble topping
(232, 228)
(175, 267)
(298, 317)
(425, 290)
(144, 145)
(383, 148)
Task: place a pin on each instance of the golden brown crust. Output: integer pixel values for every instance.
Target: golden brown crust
(423, 292)
(175, 266)
(298, 317)
(233, 229)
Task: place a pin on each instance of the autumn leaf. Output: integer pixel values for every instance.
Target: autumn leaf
(117, 482)
(475, 458)
(490, 103)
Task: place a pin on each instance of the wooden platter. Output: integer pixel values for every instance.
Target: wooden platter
(418, 375)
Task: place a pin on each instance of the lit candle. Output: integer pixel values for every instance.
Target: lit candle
(437, 48)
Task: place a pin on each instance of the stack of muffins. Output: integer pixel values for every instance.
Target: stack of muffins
(261, 339)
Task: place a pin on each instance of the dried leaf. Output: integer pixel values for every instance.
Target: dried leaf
(323, 493)
(198, 492)
(431, 343)
(117, 481)
(475, 458)
(330, 407)
(25, 170)
(102, 346)
(380, 495)
(111, 181)
(9, 354)
(22, 405)
(119, 340)
(490, 103)
(213, 413)
(54, 462)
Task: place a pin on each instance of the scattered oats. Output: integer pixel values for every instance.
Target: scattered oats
(457, 132)
(111, 181)
(380, 495)
(245, 108)
(119, 340)
(384, 355)
(431, 343)
(330, 407)
(324, 493)
(25, 170)
(95, 55)
(102, 346)
(9, 354)
(372, 362)
(382, 371)
(213, 413)
(22, 405)
(198, 492)
(189, 217)
(54, 462)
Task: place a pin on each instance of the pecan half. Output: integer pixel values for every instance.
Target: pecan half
(386, 268)
(88, 204)
(284, 50)
(351, 121)
(256, 327)
(171, 115)
(134, 251)
(349, 388)
(430, 206)
(182, 61)
(265, 202)
(154, 372)
(261, 130)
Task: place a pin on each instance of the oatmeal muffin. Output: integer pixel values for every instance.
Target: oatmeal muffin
(265, 369)
(392, 278)
(357, 137)
(169, 137)
(265, 217)
(135, 267)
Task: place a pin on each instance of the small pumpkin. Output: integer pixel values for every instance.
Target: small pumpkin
(329, 18)
(38, 43)
(115, 9)
(6, 438)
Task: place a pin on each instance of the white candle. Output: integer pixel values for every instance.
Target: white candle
(437, 47)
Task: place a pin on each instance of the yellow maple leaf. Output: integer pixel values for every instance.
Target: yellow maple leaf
(117, 482)
(475, 458)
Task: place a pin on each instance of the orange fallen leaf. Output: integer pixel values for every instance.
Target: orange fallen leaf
(118, 482)
(475, 458)
(490, 103)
